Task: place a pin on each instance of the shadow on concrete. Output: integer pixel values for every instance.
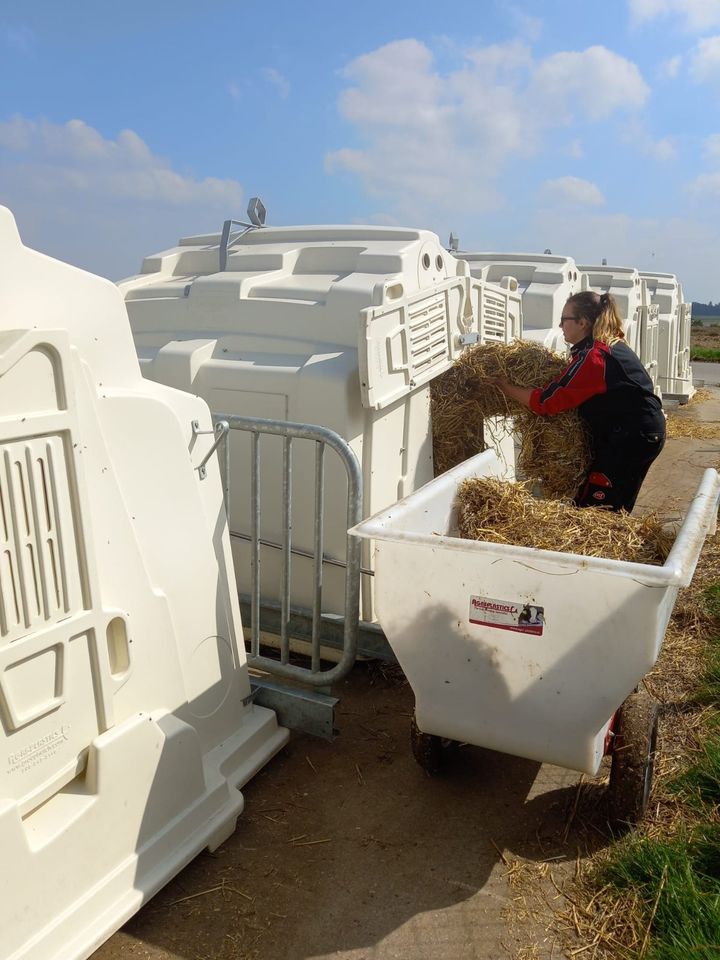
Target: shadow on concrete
(342, 845)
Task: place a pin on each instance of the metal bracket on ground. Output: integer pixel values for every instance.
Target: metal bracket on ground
(307, 711)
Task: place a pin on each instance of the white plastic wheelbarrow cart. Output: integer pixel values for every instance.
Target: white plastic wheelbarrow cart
(526, 651)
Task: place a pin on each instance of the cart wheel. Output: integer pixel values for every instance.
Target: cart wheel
(633, 758)
(430, 752)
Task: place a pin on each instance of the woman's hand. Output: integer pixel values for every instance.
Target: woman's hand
(519, 394)
(502, 383)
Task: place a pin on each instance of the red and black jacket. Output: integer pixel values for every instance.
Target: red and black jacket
(609, 386)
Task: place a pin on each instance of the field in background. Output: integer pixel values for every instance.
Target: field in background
(705, 340)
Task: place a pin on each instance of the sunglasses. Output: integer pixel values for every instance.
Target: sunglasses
(564, 319)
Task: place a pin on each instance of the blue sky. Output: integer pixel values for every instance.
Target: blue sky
(590, 129)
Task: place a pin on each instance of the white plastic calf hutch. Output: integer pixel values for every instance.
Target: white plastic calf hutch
(543, 684)
(674, 371)
(339, 326)
(127, 724)
(545, 283)
(639, 314)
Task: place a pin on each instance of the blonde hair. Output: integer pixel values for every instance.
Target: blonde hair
(602, 312)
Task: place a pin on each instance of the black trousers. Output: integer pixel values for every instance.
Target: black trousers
(621, 460)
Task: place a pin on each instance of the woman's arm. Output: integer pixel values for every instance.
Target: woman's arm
(584, 377)
(521, 394)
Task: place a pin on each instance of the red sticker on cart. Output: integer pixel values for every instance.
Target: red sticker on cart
(507, 615)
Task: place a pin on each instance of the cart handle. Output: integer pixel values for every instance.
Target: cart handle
(700, 521)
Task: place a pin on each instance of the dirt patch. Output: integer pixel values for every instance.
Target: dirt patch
(349, 851)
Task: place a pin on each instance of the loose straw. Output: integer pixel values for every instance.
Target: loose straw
(554, 451)
(502, 512)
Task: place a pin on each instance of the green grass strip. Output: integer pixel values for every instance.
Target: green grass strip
(706, 354)
(711, 598)
(699, 785)
(678, 879)
(708, 689)
(679, 882)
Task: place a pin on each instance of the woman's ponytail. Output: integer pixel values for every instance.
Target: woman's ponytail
(602, 312)
(608, 325)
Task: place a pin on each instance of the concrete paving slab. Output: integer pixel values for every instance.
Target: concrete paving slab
(674, 477)
(709, 372)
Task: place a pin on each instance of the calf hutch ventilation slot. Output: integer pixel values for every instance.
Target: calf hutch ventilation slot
(494, 318)
(428, 334)
(39, 574)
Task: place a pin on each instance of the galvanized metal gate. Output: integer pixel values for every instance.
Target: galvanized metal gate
(307, 709)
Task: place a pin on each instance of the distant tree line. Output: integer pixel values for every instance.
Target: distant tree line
(709, 309)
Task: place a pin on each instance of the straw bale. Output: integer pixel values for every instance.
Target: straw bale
(554, 451)
(502, 512)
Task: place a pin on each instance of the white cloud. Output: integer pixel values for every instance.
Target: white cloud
(688, 247)
(102, 203)
(705, 60)
(711, 148)
(527, 26)
(662, 149)
(697, 15)
(404, 72)
(575, 149)
(75, 156)
(595, 81)
(274, 77)
(234, 90)
(573, 191)
(705, 187)
(430, 138)
(670, 68)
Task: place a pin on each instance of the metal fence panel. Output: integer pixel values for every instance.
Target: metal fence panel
(323, 438)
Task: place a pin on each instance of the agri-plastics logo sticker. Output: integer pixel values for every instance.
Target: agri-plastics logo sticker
(508, 615)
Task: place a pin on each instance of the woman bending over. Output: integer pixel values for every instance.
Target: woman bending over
(614, 395)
